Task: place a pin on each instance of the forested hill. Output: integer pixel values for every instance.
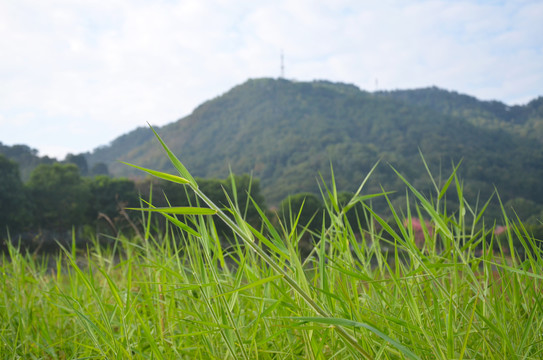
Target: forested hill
(286, 133)
(525, 120)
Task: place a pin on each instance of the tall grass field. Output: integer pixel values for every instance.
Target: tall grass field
(462, 293)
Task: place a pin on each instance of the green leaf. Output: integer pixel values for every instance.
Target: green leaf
(179, 210)
(362, 198)
(251, 285)
(350, 323)
(448, 182)
(175, 161)
(161, 175)
(181, 225)
(515, 270)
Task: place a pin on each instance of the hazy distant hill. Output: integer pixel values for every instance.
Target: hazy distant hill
(286, 132)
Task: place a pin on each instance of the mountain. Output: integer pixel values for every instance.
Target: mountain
(285, 133)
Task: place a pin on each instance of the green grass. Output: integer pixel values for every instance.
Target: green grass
(182, 293)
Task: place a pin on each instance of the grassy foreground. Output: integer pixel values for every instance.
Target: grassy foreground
(182, 294)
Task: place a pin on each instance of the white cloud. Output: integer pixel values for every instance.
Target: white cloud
(80, 73)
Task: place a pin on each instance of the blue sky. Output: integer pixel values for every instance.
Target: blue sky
(74, 75)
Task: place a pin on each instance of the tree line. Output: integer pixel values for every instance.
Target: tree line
(61, 197)
(57, 198)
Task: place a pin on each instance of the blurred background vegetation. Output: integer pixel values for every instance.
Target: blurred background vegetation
(287, 135)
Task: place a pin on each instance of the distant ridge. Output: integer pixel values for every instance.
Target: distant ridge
(286, 133)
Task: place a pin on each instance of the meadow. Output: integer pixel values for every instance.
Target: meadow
(184, 293)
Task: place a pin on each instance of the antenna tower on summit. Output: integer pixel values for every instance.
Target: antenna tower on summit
(282, 65)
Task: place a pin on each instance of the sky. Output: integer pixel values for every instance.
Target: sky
(76, 74)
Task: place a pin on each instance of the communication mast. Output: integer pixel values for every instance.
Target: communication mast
(282, 65)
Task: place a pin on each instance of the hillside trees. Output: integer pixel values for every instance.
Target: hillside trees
(526, 210)
(80, 161)
(13, 202)
(56, 195)
(109, 195)
(59, 196)
(99, 168)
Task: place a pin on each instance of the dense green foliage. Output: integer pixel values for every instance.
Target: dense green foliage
(57, 199)
(13, 202)
(60, 198)
(110, 195)
(79, 161)
(285, 133)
